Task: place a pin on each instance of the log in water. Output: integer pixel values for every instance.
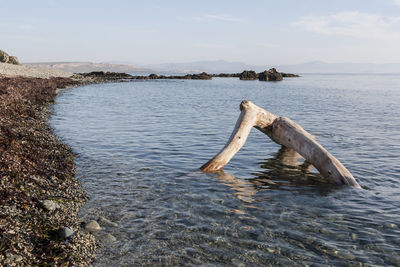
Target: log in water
(284, 132)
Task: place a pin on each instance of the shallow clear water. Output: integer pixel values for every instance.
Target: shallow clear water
(140, 145)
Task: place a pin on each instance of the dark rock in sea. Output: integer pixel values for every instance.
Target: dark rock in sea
(289, 75)
(65, 232)
(227, 75)
(270, 75)
(106, 75)
(101, 76)
(248, 75)
(200, 76)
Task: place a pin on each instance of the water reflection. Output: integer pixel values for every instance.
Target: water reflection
(244, 189)
(286, 171)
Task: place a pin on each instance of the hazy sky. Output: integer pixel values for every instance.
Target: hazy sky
(254, 32)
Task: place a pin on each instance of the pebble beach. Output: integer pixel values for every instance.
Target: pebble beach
(39, 195)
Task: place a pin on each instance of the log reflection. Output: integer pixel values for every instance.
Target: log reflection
(245, 190)
(287, 170)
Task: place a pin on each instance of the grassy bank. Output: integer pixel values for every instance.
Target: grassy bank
(35, 166)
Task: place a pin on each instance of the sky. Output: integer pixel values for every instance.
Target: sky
(150, 32)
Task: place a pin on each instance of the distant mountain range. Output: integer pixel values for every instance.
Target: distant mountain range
(221, 66)
(323, 67)
(217, 66)
(88, 67)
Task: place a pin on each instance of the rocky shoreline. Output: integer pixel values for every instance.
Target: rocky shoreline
(39, 196)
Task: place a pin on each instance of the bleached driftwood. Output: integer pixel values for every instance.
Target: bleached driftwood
(284, 132)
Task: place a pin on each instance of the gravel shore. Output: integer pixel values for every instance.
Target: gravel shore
(39, 196)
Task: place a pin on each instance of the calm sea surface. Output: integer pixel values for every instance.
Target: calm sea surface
(140, 145)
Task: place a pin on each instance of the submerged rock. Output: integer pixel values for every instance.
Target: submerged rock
(92, 226)
(107, 222)
(109, 238)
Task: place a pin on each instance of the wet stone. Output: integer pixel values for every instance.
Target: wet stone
(394, 259)
(354, 237)
(106, 222)
(109, 238)
(92, 226)
(391, 225)
(345, 255)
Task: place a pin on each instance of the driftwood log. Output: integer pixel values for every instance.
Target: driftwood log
(286, 133)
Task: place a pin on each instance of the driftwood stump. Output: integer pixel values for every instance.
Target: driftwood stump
(286, 133)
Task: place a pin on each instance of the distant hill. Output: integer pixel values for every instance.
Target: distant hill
(88, 67)
(323, 67)
(221, 66)
(217, 66)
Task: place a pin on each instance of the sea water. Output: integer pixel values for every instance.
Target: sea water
(140, 144)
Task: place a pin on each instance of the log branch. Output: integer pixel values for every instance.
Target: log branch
(284, 132)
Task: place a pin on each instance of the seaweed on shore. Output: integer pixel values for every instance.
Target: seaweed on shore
(35, 166)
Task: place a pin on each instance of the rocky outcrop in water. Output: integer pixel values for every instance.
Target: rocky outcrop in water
(270, 75)
(5, 58)
(105, 75)
(289, 75)
(101, 76)
(248, 75)
(200, 76)
(227, 75)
